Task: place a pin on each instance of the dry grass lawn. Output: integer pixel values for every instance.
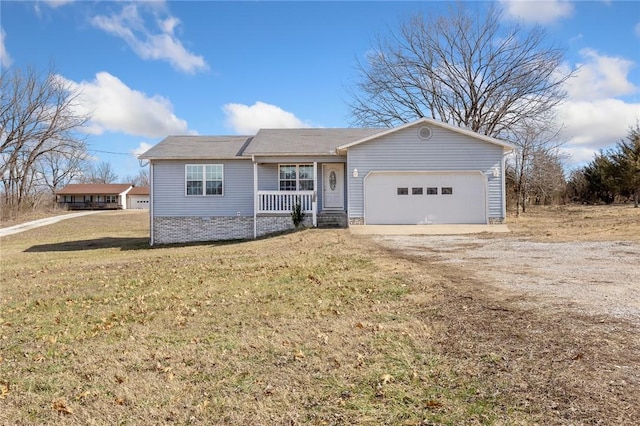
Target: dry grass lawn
(313, 327)
(578, 223)
(8, 219)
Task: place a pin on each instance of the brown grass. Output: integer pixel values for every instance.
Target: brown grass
(11, 218)
(314, 327)
(578, 223)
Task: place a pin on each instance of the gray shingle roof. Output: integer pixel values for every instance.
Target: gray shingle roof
(197, 147)
(305, 141)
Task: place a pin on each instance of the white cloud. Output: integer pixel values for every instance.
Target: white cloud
(601, 77)
(591, 126)
(5, 58)
(161, 44)
(539, 12)
(245, 119)
(115, 107)
(577, 156)
(594, 116)
(142, 148)
(54, 4)
(57, 3)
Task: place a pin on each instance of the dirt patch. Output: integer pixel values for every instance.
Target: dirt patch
(549, 314)
(588, 277)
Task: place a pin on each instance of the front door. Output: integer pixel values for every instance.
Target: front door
(333, 186)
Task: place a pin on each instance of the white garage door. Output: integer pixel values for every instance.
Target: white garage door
(411, 198)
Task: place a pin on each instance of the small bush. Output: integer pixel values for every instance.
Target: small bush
(297, 215)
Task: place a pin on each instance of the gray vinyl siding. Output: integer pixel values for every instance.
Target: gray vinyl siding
(405, 151)
(268, 177)
(169, 197)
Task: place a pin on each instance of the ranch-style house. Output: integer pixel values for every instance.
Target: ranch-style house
(206, 188)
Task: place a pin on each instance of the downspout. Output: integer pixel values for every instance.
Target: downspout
(255, 198)
(347, 180)
(503, 172)
(314, 202)
(151, 202)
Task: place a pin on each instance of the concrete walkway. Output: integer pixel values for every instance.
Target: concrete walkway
(426, 229)
(42, 222)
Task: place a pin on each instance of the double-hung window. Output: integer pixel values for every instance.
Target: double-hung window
(296, 177)
(204, 179)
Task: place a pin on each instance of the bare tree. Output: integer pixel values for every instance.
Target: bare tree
(578, 186)
(462, 69)
(536, 153)
(37, 118)
(56, 169)
(101, 173)
(547, 184)
(141, 179)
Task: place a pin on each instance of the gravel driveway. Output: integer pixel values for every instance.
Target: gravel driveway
(591, 277)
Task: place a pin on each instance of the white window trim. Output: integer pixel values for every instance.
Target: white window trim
(203, 180)
(297, 166)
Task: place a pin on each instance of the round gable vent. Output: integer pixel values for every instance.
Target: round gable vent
(424, 132)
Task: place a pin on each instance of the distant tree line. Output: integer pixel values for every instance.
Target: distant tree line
(613, 176)
(537, 179)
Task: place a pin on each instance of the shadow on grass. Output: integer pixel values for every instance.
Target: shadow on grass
(96, 244)
(126, 244)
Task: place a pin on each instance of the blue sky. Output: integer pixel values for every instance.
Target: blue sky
(150, 69)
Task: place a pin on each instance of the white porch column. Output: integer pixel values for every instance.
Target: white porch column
(255, 198)
(151, 202)
(314, 204)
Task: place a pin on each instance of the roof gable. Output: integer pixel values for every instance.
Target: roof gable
(431, 122)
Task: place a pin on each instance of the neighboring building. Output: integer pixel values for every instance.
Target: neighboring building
(207, 188)
(80, 196)
(138, 197)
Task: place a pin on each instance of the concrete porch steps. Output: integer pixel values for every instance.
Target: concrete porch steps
(329, 219)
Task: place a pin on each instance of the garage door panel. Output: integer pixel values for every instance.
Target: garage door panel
(405, 198)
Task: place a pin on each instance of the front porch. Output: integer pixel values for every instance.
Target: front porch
(275, 204)
(283, 203)
(318, 187)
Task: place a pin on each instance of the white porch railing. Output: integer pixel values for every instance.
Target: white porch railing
(284, 201)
